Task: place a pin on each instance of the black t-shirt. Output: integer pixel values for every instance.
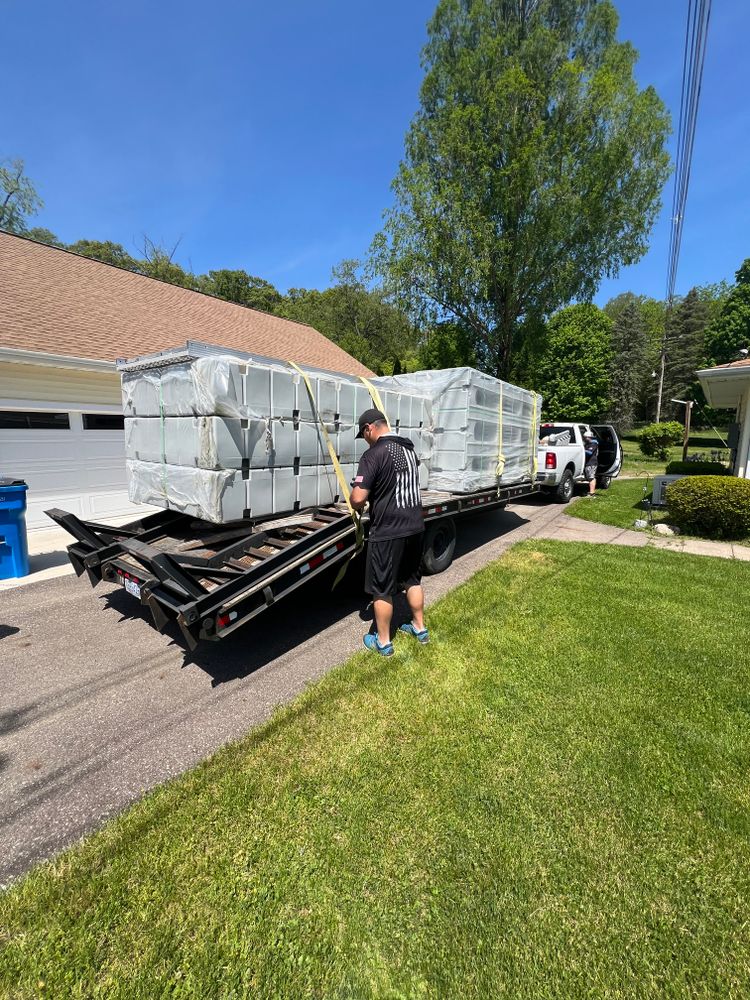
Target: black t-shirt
(592, 452)
(389, 469)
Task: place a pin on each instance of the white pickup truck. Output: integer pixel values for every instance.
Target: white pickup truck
(561, 457)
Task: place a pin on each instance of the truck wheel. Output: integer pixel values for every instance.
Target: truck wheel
(602, 482)
(439, 546)
(564, 491)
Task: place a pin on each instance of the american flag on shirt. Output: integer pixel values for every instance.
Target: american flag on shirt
(407, 475)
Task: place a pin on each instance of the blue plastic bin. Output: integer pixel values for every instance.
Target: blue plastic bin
(14, 551)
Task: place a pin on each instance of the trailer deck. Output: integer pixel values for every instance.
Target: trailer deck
(211, 579)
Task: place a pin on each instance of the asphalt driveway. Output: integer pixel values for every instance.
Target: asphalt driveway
(97, 707)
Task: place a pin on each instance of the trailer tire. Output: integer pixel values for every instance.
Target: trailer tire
(439, 546)
(565, 488)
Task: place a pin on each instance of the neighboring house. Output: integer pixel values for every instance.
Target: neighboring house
(64, 320)
(727, 387)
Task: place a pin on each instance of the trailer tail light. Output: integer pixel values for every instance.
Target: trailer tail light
(223, 620)
(550, 460)
(320, 558)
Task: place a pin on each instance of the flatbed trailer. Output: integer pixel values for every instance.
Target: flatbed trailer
(212, 579)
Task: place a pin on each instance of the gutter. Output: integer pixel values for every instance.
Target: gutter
(15, 355)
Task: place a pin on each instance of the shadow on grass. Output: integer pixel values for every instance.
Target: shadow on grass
(307, 613)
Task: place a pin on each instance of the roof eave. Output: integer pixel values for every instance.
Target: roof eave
(15, 355)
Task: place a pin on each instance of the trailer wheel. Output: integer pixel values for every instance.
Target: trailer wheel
(439, 546)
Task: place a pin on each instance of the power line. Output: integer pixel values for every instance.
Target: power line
(693, 61)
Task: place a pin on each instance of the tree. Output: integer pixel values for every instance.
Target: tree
(105, 251)
(158, 263)
(573, 373)
(629, 362)
(729, 333)
(447, 345)
(532, 169)
(685, 346)
(18, 197)
(241, 287)
(364, 321)
(42, 235)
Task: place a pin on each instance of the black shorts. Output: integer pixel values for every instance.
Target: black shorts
(393, 564)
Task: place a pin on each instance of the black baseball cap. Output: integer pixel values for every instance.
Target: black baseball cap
(370, 417)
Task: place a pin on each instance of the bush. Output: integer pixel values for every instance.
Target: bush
(656, 439)
(713, 506)
(698, 469)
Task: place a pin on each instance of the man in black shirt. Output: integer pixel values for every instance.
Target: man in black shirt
(388, 476)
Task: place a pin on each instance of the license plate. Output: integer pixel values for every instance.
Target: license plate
(132, 587)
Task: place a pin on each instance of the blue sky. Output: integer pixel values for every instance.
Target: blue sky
(265, 136)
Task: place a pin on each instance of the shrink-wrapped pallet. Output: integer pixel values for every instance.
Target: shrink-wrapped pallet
(222, 435)
(484, 431)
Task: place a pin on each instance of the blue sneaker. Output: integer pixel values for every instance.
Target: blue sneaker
(421, 635)
(371, 642)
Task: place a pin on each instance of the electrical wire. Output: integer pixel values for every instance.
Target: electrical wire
(694, 57)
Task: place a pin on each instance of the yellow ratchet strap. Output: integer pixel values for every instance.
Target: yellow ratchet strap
(356, 518)
(500, 452)
(534, 442)
(375, 396)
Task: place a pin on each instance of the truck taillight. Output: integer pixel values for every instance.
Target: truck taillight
(550, 460)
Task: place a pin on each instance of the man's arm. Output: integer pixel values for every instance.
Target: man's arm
(358, 497)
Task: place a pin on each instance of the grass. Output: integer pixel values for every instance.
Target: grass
(636, 463)
(620, 505)
(549, 801)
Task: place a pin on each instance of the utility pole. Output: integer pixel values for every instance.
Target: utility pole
(662, 365)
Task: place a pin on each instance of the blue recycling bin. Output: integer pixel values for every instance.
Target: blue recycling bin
(14, 551)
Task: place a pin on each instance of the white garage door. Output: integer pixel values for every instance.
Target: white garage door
(70, 459)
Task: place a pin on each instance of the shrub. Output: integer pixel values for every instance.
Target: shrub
(698, 469)
(656, 438)
(713, 506)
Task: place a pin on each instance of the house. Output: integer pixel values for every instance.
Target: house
(64, 320)
(728, 387)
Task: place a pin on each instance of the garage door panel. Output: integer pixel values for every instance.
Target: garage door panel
(78, 470)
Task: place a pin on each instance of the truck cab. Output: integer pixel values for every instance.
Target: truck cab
(561, 457)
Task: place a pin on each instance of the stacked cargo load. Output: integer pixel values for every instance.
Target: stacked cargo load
(224, 435)
(485, 431)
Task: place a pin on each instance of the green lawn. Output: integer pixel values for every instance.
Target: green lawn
(635, 462)
(620, 505)
(550, 801)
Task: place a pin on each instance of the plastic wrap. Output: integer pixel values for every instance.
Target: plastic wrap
(223, 437)
(484, 431)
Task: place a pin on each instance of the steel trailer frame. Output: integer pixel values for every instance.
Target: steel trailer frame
(212, 579)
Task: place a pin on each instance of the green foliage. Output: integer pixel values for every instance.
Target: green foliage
(42, 235)
(685, 347)
(241, 287)
(714, 506)
(363, 321)
(629, 364)
(573, 372)
(730, 331)
(105, 251)
(698, 469)
(533, 168)
(158, 262)
(656, 439)
(447, 345)
(18, 197)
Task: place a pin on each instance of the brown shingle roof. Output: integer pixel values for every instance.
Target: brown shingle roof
(58, 302)
(736, 364)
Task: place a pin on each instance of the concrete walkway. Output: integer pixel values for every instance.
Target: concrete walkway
(574, 529)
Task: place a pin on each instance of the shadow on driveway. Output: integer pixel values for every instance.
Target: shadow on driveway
(283, 626)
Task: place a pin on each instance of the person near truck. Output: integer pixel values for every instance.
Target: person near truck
(591, 459)
(388, 478)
